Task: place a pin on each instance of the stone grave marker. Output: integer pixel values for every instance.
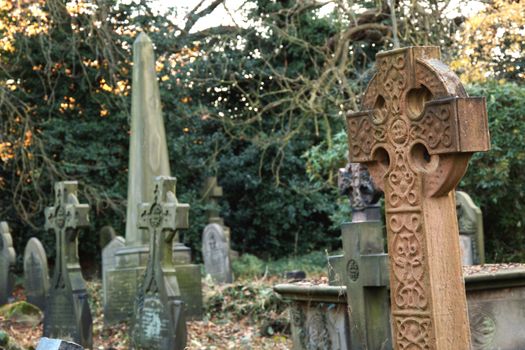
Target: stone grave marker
(216, 237)
(36, 273)
(363, 267)
(470, 221)
(416, 132)
(215, 253)
(7, 262)
(189, 279)
(67, 314)
(159, 321)
(106, 235)
(109, 262)
(148, 158)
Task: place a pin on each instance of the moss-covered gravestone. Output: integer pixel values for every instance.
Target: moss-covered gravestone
(158, 319)
(7, 262)
(36, 273)
(67, 314)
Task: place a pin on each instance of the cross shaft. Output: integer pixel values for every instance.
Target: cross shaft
(416, 132)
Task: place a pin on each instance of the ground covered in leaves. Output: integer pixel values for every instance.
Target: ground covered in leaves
(243, 315)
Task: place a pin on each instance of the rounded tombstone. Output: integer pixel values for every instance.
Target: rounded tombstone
(7, 261)
(36, 273)
(215, 253)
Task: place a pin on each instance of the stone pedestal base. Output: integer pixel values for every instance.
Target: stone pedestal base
(123, 282)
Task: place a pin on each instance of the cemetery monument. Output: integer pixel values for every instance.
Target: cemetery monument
(148, 158)
(416, 132)
(36, 273)
(7, 262)
(470, 222)
(67, 314)
(216, 251)
(158, 318)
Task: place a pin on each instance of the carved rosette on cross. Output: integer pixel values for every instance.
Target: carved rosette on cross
(416, 133)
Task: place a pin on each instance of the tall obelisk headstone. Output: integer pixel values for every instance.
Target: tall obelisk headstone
(158, 320)
(7, 262)
(36, 273)
(148, 158)
(67, 314)
(416, 132)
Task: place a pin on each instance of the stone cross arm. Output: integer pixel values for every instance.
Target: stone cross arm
(165, 212)
(67, 211)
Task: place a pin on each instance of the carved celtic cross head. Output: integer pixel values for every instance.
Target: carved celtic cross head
(416, 132)
(165, 213)
(416, 122)
(67, 211)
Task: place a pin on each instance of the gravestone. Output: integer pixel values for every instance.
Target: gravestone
(363, 268)
(7, 263)
(470, 221)
(106, 235)
(416, 132)
(465, 248)
(109, 262)
(215, 253)
(159, 321)
(67, 314)
(36, 273)
(189, 279)
(216, 237)
(148, 158)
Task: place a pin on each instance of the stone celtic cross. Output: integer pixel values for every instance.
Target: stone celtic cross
(416, 132)
(67, 312)
(158, 300)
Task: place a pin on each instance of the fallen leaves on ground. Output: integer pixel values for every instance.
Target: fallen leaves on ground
(244, 315)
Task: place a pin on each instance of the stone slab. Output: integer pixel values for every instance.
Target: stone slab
(189, 279)
(215, 253)
(109, 262)
(36, 273)
(7, 262)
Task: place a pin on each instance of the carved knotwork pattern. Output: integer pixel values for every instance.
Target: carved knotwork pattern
(413, 333)
(388, 127)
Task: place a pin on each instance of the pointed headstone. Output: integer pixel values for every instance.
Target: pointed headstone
(148, 158)
(7, 262)
(158, 319)
(36, 273)
(67, 314)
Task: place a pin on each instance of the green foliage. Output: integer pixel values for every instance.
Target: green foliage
(495, 179)
(249, 266)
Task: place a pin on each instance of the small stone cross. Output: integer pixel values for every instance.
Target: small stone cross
(159, 296)
(213, 192)
(64, 219)
(162, 219)
(416, 132)
(67, 312)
